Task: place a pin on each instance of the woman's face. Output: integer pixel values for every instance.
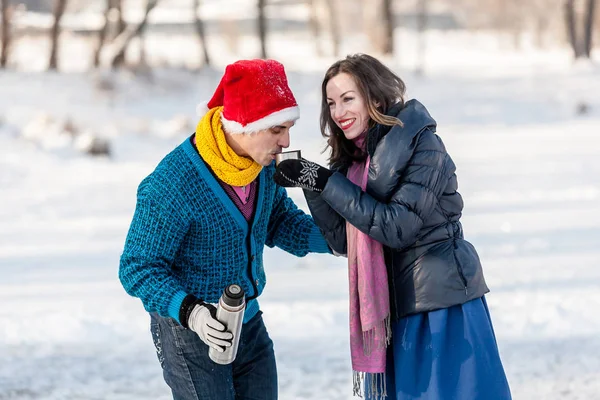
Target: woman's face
(347, 106)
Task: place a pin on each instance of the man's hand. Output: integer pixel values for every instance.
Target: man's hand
(302, 173)
(202, 321)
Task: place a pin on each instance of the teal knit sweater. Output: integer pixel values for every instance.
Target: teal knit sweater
(188, 237)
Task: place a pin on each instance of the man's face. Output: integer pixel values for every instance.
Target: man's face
(263, 145)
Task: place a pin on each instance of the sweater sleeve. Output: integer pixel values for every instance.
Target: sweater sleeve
(154, 237)
(397, 222)
(293, 230)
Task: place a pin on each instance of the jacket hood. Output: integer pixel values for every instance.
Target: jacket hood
(413, 115)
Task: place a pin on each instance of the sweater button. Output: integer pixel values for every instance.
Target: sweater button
(252, 258)
(257, 282)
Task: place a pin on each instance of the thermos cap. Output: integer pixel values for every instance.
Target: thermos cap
(233, 295)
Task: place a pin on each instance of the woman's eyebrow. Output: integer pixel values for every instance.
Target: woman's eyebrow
(343, 94)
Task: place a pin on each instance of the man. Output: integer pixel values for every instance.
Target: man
(201, 222)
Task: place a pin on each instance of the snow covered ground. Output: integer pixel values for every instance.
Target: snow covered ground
(528, 168)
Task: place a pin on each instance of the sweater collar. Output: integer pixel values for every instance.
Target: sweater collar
(218, 190)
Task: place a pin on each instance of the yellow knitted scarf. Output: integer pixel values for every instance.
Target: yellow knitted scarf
(227, 165)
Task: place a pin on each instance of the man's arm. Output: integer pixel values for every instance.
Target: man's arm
(154, 237)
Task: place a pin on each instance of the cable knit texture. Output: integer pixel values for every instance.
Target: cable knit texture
(188, 237)
(227, 165)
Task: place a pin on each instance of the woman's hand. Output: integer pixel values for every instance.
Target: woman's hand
(302, 173)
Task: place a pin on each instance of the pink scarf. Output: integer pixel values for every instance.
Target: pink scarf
(370, 330)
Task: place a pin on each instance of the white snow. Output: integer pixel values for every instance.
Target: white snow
(528, 169)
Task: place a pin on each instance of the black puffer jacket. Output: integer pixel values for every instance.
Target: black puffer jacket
(411, 206)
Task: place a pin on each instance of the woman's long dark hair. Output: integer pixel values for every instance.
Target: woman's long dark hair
(379, 87)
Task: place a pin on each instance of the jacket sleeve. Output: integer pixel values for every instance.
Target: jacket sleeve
(397, 222)
(154, 237)
(291, 229)
(332, 224)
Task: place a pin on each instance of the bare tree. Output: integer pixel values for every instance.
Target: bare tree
(571, 26)
(581, 45)
(201, 32)
(59, 9)
(315, 26)
(262, 28)
(334, 27)
(128, 36)
(588, 27)
(508, 18)
(4, 47)
(518, 10)
(421, 29)
(542, 21)
(114, 25)
(117, 7)
(389, 22)
(545, 19)
(102, 34)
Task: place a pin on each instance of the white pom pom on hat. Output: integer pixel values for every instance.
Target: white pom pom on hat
(202, 108)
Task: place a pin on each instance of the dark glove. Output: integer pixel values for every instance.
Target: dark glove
(302, 173)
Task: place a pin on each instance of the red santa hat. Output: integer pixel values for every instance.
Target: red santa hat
(255, 95)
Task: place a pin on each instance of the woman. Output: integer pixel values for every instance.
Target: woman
(389, 202)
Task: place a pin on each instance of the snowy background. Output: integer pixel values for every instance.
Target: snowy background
(528, 169)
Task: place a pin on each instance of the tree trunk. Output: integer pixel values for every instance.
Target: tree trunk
(262, 28)
(388, 12)
(59, 9)
(333, 25)
(502, 16)
(588, 28)
(421, 29)
(315, 26)
(201, 32)
(120, 55)
(541, 27)
(102, 34)
(121, 26)
(571, 27)
(5, 9)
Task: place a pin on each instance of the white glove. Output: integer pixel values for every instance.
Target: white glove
(210, 330)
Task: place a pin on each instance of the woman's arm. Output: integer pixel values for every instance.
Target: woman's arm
(291, 229)
(397, 222)
(332, 224)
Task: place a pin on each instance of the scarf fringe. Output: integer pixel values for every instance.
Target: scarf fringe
(375, 387)
(385, 326)
(370, 321)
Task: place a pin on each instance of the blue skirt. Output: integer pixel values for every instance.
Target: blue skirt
(446, 354)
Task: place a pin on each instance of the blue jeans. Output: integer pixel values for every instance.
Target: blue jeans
(192, 375)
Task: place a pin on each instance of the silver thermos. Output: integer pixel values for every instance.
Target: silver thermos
(230, 312)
